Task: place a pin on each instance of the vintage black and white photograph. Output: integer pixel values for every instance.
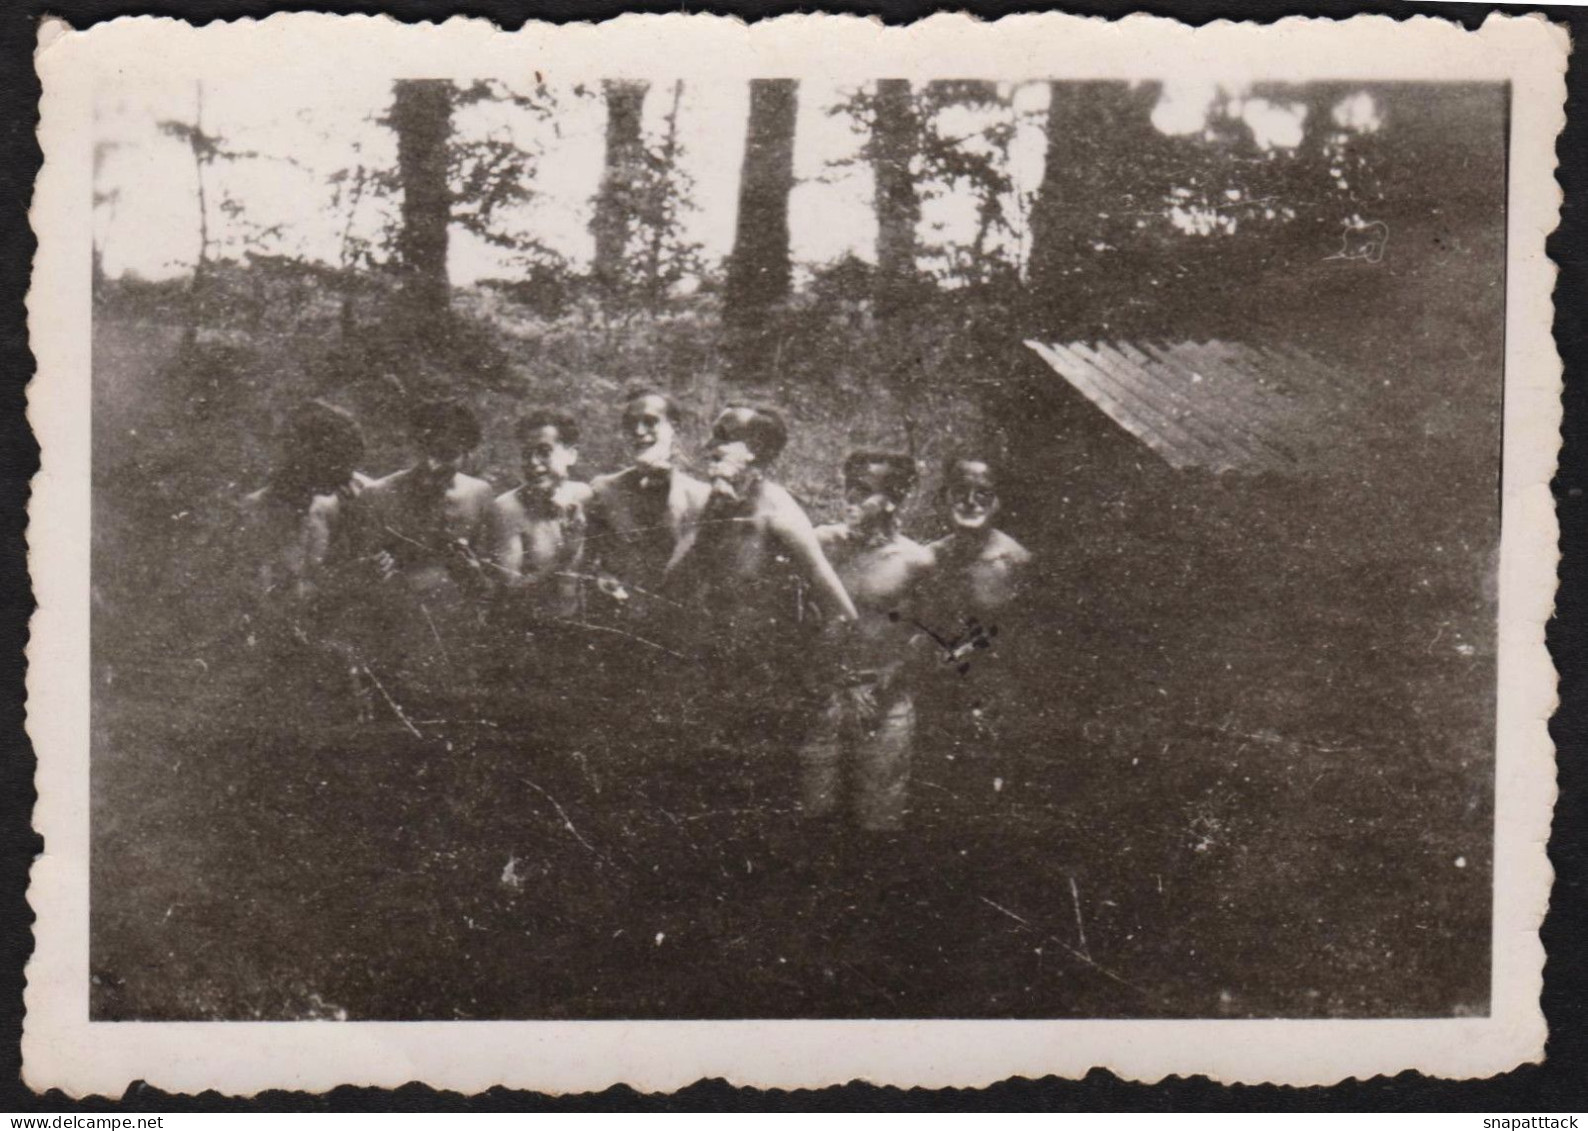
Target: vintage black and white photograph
(581, 544)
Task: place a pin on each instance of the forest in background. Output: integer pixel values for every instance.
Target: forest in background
(1264, 176)
(1131, 233)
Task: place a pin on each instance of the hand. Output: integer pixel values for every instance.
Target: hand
(385, 565)
(611, 586)
(466, 552)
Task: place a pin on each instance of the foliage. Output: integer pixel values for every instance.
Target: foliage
(1169, 206)
(1223, 182)
(960, 134)
(642, 252)
(973, 161)
(493, 176)
(1159, 225)
(846, 281)
(660, 201)
(352, 188)
(490, 177)
(208, 148)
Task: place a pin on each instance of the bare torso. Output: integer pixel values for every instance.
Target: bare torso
(882, 578)
(979, 576)
(433, 536)
(286, 545)
(755, 559)
(540, 544)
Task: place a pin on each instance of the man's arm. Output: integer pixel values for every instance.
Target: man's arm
(794, 530)
(507, 540)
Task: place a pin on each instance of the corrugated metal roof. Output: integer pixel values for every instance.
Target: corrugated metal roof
(1222, 406)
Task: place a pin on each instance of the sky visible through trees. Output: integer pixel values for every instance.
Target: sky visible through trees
(313, 176)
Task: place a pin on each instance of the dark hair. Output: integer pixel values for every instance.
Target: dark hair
(315, 428)
(635, 392)
(537, 418)
(952, 463)
(898, 479)
(761, 429)
(447, 424)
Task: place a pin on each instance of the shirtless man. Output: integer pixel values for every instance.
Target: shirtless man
(981, 572)
(289, 523)
(643, 519)
(756, 546)
(982, 568)
(864, 735)
(540, 526)
(747, 579)
(425, 529)
(292, 528)
(426, 525)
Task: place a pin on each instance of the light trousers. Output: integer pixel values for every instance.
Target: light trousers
(859, 751)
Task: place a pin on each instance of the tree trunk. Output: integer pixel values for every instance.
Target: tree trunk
(613, 221)
(759, 269)
(1098, 173)
(422, 116)
(894, 144)
(198, 290)
(660, 210)
(1317, 229)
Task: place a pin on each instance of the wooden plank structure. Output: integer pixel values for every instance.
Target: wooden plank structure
(1216, 405)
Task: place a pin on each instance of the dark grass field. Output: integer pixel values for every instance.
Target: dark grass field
(1241, 762)
(1137, 844)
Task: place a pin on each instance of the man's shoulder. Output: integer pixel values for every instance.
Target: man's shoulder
(612, 482)
(1002, 548)
(913, 552)
(832, 533)
(774, 494)
(696, 490)
(778, 502)
(508, 503)
(352, 495)
(383, 485)
(473, 487)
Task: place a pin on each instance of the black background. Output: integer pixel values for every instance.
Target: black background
(1561, 1084)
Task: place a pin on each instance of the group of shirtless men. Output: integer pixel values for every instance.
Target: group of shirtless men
(646, 548)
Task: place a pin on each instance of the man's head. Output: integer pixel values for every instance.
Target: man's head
(320, 447)
(548, 443)
(650, 426)
(443, 432)
(744, 440)
(875, 487)
(970, 493)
